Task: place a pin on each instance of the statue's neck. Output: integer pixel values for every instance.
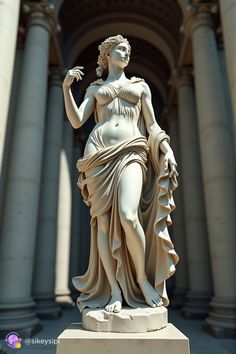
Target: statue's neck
(115, 74)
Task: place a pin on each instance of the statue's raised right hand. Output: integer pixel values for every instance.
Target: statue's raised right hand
(72, 74)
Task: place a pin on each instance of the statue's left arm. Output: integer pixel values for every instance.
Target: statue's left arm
(153, 127)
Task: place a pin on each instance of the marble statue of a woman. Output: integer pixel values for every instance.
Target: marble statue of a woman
(127, 180)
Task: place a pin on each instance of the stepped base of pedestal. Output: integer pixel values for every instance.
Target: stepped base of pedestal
(168, 340)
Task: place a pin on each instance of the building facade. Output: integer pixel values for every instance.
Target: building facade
(186, 51)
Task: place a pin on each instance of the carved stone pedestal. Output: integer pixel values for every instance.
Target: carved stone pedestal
(127, 321)
(168, 340)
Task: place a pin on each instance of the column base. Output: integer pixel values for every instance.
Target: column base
(197, 305)
(221, 322)
(178, 298)
(65, 301)
(47, 308)
(168, 340)
(20, 318)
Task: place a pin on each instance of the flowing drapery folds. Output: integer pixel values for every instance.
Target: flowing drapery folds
(99, 178)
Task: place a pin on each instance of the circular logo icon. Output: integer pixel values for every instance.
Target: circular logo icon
(13, 340)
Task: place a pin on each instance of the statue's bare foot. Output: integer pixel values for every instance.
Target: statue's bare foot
(115, 304)
(151, 296)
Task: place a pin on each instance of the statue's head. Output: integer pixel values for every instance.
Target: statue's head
(105, 49)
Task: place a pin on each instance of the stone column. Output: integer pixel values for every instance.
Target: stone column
(11, 118)
(75, 222)
(10, 128)
(45, 251)
(9, 14)
(226, 88)
(228, 17)
(200, 278)
(218, 171)
(178, 227)
(22, 190)
(64, 219)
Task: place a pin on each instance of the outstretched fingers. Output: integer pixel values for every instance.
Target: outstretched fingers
(76, 72)
(72, 74)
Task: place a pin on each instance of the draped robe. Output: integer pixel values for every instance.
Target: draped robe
(100, 192)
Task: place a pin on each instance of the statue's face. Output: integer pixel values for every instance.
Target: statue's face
(120, 55)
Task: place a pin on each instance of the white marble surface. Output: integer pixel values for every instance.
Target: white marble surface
(169, 340)
(127, 321)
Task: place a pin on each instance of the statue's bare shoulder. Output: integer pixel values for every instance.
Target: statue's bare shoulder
(93, 87)
(136, 79)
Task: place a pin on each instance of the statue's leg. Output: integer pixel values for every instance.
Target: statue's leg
(109, 264)
(129, 198)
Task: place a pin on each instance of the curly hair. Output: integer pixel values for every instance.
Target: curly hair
(105, 48)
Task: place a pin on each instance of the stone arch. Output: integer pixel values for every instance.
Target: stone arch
(137, 27)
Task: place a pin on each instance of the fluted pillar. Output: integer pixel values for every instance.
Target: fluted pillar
(228, 17)
(22, 190)
(218, 171)
(64, 219)
(178, 227)
(45, 251)
(9, 14)
(200, 278)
